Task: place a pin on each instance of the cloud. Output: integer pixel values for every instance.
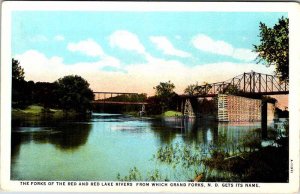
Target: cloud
(59, 38)
(87, 47)
(126, 40)
(244, 54)
(139, 78)
(207, 44)
(162, 43)
(39, 67)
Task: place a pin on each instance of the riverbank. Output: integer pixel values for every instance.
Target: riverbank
(169, 113)
(256, 166)
(172, 113)
(39, 111)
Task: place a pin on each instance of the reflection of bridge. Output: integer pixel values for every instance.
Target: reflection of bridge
(245, 84)
(118, 98)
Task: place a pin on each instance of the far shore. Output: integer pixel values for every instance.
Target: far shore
(39, 111)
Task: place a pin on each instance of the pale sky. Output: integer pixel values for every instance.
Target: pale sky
(134, 51)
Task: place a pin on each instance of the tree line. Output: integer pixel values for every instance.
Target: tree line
(70, 92)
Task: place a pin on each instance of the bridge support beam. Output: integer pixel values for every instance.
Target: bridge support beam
(264, 120)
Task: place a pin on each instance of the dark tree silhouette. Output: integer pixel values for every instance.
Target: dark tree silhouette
(44, 94)
(73, 93)
(17, 71)
(21, 89)
(165, 91)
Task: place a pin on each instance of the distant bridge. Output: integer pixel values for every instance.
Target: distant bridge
(118, 98)
(245, 84)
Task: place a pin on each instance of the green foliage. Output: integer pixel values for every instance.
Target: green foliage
(17, 71)
(154, 175)
(171, 113)
(195, 89)
(74, 93)
(70, 92)
(215, 162)
(21, 89)
(274, 47)
(44, 93)
(185, 156)
(134, 175)
(154, 107)
(191, 89)
(165, 91)
(286, 126)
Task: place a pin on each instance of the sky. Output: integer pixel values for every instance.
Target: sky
(135, 51)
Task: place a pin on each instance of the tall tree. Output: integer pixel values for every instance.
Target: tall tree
(274, 47)
(21, 89)
(165, 91)
(17, 71)
(74, 93)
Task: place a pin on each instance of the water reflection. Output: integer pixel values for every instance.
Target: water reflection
(200, 130)
(67, 136)
(100, 147)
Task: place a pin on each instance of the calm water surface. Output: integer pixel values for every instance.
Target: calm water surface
(105, 145)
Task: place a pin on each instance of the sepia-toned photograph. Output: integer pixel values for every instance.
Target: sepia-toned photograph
(136, 98)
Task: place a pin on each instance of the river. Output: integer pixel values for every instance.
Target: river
(104, 145)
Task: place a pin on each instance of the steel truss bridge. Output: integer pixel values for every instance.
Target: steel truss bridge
(246, 84)
(116, 98)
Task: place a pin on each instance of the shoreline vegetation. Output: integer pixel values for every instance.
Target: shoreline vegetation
(40, 111)
(167, 114)
(225, 161)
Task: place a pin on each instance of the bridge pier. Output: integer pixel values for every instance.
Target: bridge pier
(142, 111)
(264, 120)
(187, 109)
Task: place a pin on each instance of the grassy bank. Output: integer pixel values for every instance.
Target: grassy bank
(38, 111)
(171, 113)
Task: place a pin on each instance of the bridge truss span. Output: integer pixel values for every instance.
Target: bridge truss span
(118, 98)
(246, 83)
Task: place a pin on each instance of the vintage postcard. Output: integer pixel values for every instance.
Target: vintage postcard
(150, 97)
